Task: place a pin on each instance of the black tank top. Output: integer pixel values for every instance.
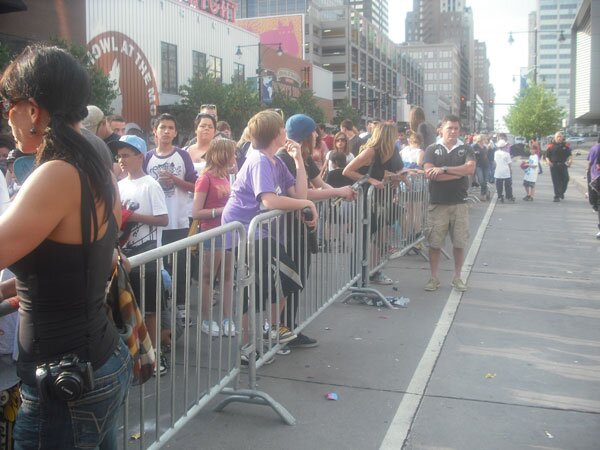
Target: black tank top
(67, 308)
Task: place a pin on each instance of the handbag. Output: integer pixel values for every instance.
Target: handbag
(124, 312)
(194, 229)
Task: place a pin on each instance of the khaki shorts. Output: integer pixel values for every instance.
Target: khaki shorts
(444, 219)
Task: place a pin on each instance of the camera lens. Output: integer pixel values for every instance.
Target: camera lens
(69, 386)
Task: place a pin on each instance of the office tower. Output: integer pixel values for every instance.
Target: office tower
(376, 11)
(554, 48)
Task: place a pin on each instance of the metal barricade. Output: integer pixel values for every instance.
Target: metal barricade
(394, 220)
(201, 365)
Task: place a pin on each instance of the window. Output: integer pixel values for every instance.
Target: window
(239, 72)
(198, 63)
(215, 67)
(168, 58)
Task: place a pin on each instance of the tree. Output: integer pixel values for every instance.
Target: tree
(104, 90)
(346, 111)
(241, 103)
(535, 113)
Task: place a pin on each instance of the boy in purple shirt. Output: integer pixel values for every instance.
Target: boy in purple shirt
(264, 183)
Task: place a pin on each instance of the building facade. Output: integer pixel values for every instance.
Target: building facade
(442, 78)
(554, 53)
(369, 71)
(375, 11)
(585, 53)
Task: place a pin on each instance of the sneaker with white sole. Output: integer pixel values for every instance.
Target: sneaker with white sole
(303, 341)
(282, 334)
(245, 361)
(228, 327)
(459, 285)
(432, 284)
(211, 328)
(285, 350)
(380, 278)
(162, 365)
(181, 314)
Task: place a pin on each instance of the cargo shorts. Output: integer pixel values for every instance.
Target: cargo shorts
(448, 219)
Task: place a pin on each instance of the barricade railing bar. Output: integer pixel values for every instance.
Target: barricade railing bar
(243, 275)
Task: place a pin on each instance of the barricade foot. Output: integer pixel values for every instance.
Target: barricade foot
(256, 398)
(356, 292)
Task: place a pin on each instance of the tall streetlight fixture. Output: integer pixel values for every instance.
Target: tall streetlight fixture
(239, 53)
(561, 38)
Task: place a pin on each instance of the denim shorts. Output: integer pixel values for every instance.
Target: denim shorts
(88, 422)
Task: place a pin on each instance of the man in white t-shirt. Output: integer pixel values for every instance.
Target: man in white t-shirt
(502, 172)
(145, 208)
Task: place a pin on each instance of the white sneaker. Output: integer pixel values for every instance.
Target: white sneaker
(228, 327)
(212, 329)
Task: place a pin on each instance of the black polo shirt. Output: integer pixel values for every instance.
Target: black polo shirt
(453, 191)
(558, 153)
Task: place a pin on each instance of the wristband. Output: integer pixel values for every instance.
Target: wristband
(213, 213)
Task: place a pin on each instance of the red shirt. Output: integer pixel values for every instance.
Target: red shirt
(328, 139)
(217, 190)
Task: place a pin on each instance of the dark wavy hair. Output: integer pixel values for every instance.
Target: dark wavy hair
(60, 85)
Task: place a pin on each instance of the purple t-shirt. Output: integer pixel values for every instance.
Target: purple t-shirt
(258, 175)
(593, 159)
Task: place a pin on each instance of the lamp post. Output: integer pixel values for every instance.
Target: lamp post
(239, 53)
(561, 38)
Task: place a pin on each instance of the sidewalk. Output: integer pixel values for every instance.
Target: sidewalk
(518, 368)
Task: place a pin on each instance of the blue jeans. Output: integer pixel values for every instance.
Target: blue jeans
(90, 422)
(482, 179)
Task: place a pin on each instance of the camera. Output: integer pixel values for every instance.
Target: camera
(66, 380)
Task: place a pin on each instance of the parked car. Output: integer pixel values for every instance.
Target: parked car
(520, 140)
(575, 140)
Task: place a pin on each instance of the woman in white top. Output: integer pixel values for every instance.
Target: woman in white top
(206, 128)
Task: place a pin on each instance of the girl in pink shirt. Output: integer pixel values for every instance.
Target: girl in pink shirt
(210, 197)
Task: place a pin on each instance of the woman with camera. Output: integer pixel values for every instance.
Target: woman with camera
(58, 237)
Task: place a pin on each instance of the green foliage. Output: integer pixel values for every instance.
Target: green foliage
(306, 103)
(239, 101)
(535, 113)
(347, 112)
(104, 90)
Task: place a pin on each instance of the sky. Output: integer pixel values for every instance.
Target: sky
(493, 20)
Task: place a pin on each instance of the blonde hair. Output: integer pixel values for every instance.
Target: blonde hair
(264, 127)
(245, 137)
(219, 156)
(382, 141)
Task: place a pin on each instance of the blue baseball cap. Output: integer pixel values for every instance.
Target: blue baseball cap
(129, 140)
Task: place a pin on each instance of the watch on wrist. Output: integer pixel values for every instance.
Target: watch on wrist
(445, 169)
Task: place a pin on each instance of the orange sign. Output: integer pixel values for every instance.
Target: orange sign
(119, 57)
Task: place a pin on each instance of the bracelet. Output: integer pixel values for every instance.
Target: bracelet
(213, 213)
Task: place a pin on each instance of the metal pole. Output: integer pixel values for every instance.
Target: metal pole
(258, 77)
(535, 54)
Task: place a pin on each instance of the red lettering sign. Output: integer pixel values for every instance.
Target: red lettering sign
(224, 9)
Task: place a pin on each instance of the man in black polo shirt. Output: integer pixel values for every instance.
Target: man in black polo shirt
(448, 164)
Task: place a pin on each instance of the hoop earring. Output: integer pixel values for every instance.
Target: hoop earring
(33, 130)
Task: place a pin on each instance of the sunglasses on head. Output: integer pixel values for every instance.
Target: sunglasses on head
(208, 106)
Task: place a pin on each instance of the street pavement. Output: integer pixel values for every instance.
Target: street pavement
(513, 363)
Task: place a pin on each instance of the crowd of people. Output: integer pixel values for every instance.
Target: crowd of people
(105, 185)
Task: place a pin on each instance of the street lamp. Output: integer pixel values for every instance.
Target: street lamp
(511, 40)
(239, 53)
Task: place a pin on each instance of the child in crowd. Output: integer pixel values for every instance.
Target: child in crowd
(210, 198)
(531, 174)
(503, 173)
(264, 183)
(144, 202)
(335, 177)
